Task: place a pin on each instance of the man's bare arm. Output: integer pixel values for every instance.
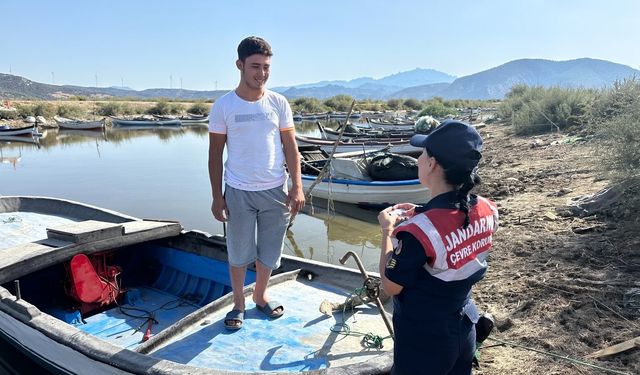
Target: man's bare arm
(216, 146)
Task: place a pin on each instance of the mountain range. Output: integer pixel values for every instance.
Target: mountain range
(493, 83)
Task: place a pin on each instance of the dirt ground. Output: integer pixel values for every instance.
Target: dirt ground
(557, 283)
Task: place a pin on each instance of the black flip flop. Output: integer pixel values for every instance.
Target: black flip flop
(234, 316)
(270, 309)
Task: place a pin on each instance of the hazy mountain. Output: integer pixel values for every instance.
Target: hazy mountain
(418, 83)
(366, 91)
(121, 87)
(390, 83)
(15, 87)
(496, 82)
(416, 77)
(422, 92)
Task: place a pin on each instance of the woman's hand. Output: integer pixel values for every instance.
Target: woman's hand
(394, 215)
(408, 208)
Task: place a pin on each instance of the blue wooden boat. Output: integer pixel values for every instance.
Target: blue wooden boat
(158, 300)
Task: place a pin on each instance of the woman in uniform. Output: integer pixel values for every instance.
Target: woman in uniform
(433, 254)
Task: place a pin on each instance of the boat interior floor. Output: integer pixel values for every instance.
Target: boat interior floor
(302, 339)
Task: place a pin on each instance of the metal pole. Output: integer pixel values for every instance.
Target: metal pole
(17, 285)
(343, 260)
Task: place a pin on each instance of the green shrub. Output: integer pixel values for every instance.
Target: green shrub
(621, 98)
(46, 110)
(8, 114)
(70, 111)
(109, 109)
(394, 104)
(616, 118)
(340, 103)
(372, 105)
(308, 105)
(436, 108)
(116, 109)
(534, 110)
(412, 104)
(165, 108)
(199, 108)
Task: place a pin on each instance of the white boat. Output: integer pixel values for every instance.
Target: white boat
(330, 134)
(65, 123)
(343, 116)
(144, 121)
(22, 131)
(189, 119)
(64, 265)
(367, 193)
(348, 180)
(194, 119)
(391, 125)
(355, 144)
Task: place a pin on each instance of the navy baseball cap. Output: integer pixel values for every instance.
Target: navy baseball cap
(453, 144)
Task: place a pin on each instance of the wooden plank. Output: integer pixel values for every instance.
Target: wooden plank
(24, 259)
(615, 349)
(85, 231)
(144, 225)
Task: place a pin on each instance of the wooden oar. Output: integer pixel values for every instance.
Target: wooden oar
(326, 165)
(333, 151)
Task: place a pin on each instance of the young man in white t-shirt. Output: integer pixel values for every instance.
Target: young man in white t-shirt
(256, 126)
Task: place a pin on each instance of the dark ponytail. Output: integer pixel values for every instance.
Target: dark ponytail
(464, 181)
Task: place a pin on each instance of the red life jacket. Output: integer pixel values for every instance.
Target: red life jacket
(454, 252)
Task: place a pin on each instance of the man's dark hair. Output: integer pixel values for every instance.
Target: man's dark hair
(253, 45)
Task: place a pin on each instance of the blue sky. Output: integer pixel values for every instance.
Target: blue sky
(146, 44)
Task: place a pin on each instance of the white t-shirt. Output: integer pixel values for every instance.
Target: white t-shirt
(255, 158)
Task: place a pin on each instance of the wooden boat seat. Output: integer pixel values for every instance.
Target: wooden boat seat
(85, 231)
(97, 236)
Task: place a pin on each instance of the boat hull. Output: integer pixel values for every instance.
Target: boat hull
(188, 270)
(394, 146)
(79, 125)
(150, 123)
(24, 131)
(367, 193)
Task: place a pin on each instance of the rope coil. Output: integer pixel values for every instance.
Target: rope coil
(370, 289)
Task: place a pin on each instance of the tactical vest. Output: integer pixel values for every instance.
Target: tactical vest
(454, 252)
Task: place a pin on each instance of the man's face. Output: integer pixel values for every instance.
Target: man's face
(255, 70)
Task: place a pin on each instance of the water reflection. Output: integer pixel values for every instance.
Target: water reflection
(10, 158)
(54, 137)
(15, 141)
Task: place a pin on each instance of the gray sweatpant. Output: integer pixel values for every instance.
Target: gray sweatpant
(256, 225)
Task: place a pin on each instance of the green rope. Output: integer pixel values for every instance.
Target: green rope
(566, 358)
(369, 340)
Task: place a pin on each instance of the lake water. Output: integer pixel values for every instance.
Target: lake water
(162, 174)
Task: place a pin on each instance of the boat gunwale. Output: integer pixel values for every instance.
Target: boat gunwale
(127, 360)
(345, 181)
